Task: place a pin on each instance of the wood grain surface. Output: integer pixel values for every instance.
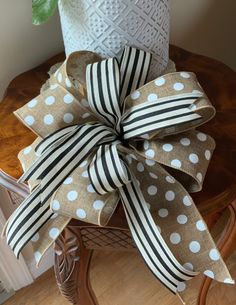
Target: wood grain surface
(218, 81)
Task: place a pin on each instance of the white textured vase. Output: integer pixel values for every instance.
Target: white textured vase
(106, 26)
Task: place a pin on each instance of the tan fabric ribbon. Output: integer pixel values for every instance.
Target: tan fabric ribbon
(168, 163)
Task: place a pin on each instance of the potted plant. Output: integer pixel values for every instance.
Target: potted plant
(105, 26)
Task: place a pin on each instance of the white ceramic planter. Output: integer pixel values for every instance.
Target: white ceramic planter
(105, 26)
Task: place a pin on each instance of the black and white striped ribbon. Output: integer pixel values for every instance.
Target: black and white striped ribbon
(61, 153)
(162, 113)
(108, 83)
(108, 171)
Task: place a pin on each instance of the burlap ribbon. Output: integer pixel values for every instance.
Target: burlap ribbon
(118, 138)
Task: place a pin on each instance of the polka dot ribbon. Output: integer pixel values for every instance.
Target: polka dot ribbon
(128, 122)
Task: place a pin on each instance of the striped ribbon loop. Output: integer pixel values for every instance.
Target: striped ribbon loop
(108, 171)
(162, 113)
(103, 83)
(134, 68)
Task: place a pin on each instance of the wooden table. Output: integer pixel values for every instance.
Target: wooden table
(218, 195)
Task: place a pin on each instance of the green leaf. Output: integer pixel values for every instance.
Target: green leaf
(42, 10)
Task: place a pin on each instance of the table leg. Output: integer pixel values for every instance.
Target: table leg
(72, 262)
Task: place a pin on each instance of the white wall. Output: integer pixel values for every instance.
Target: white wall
(23, 45)
(205, 26)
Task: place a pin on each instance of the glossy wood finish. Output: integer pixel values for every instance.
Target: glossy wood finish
(218, 194)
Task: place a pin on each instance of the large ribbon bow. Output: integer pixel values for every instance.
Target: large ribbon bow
(128, 131)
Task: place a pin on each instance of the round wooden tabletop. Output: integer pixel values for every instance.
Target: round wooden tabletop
(218, 81)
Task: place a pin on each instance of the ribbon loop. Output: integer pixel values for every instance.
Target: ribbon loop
(160, 114)
(108, 171)
(103, 83)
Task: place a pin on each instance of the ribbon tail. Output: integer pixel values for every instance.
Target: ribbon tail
(26, 221)
(149, 241)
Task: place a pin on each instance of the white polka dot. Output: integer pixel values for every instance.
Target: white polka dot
(214, 254)
(170, 195)
(200, 225)
(90, 188)
(83, 164)
(194, 247)
(160, 81)
(201, 136)
(98, 204)
(199, 177)
(187, 201)
(68, 98)
(146, 145)
(72, 195)
(68, 118)
(181, 286)
(163, 213)
(150, 153)
(154, 176)
(229, 281)
(135, 95)
(178, 86)
(170, 179)
(150, 162)
(185, 75)
(35, 238)
(68, 82)
(208, 154)
(27, 150)
(32, 103)
(175, 238)
(48, 119)
(209, 273)
(85, 174)
(37, 256)
(86, 115)
(54, 232)
(152, 190)
(56, 205)
(182, 219)
(50, 100)
(68, 180)
(167, 147)
(59, 77)
(29, 119)
(188, 266)
(81, 213)
(84, 102)
(194, 158)
(152, 97)
(140, 167)
(176, 163)
(185, 141)
(129, 159)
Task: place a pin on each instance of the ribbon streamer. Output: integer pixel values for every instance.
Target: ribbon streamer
(111, 91)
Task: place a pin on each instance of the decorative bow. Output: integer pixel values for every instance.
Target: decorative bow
(111, 142)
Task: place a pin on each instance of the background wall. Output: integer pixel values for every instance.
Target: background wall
(22, 45)
(203, 26)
